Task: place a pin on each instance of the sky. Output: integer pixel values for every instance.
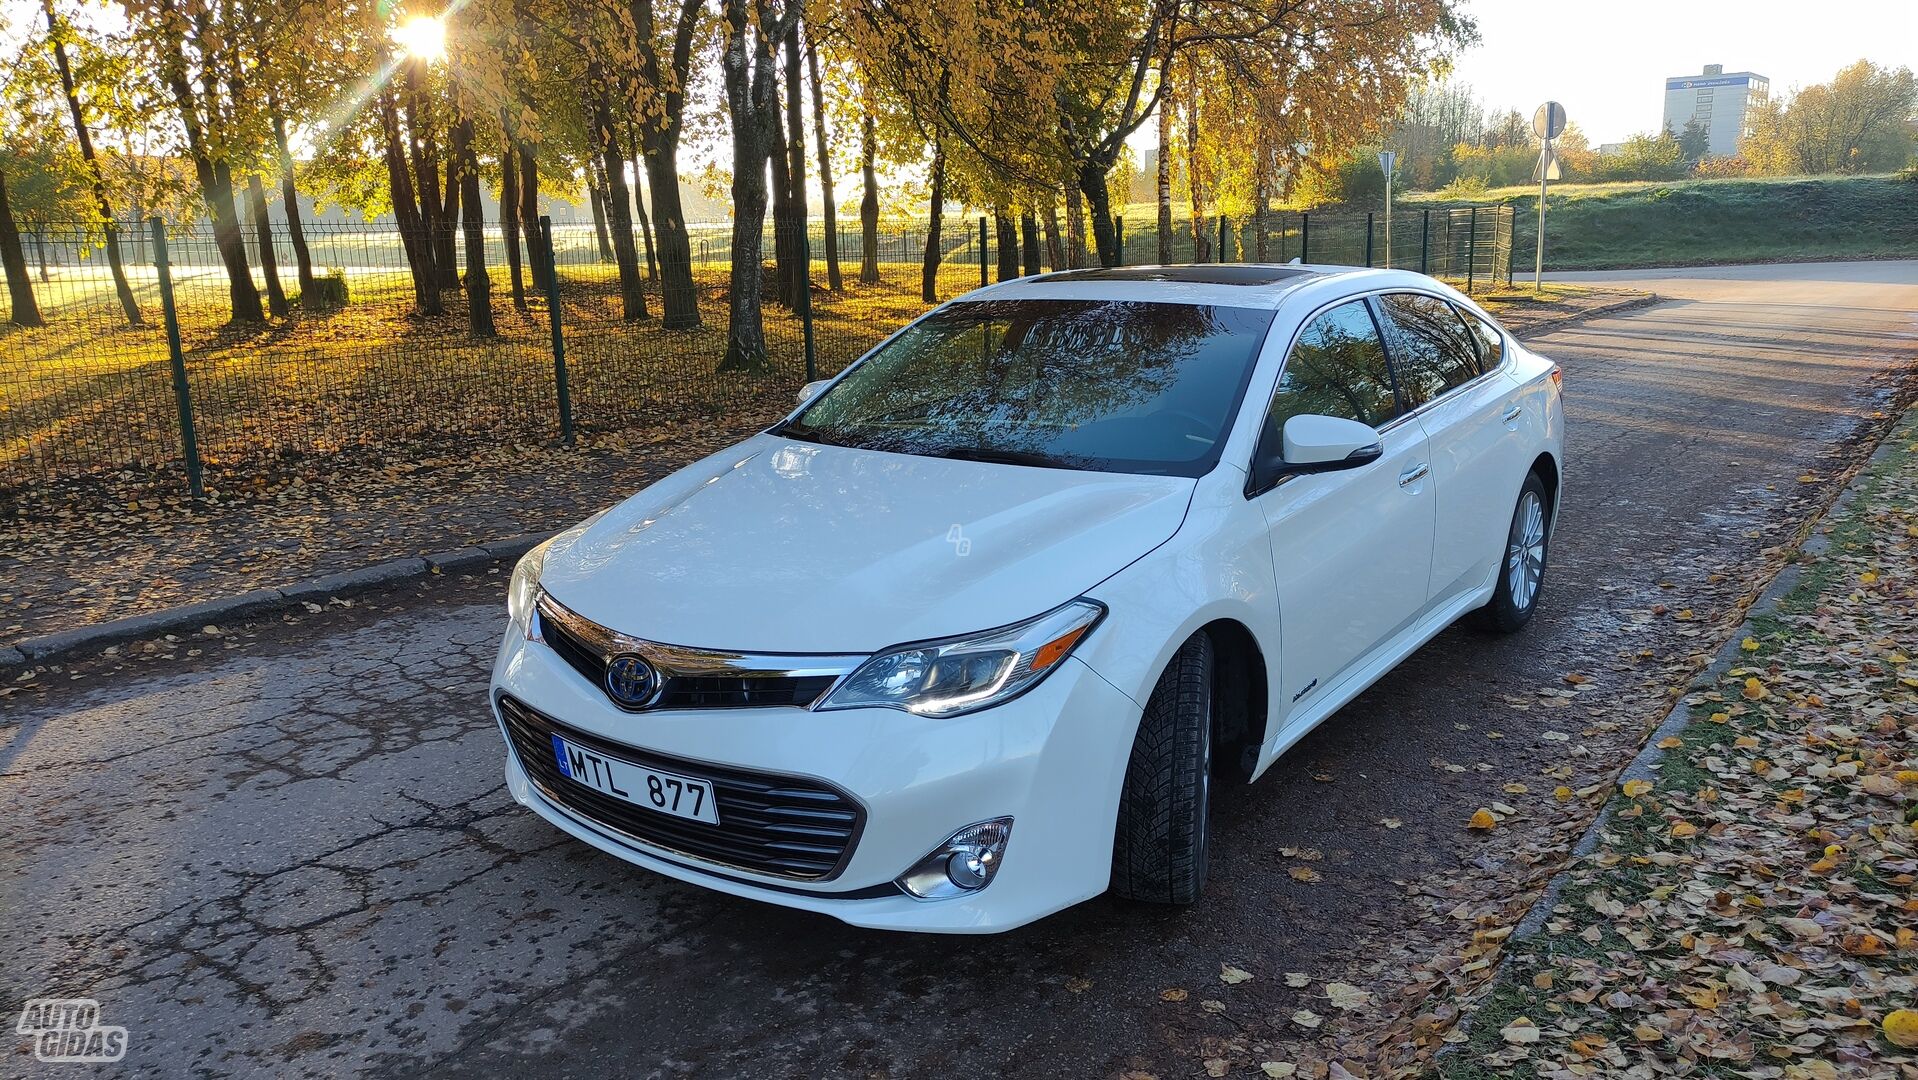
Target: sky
(1607, 62)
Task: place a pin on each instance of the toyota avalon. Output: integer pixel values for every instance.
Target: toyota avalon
(975, 632)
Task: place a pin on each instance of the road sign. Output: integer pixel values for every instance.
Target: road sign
(1549, 121)
(1547, 167)
(1386, 158)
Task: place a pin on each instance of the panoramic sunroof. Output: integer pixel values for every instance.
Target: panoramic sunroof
(1212, 274)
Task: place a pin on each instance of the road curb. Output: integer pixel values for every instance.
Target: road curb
(51, 648)
(1628, 304)
(1644, 766)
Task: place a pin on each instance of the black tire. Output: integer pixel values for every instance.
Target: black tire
(1512, 605)
(1159, 848)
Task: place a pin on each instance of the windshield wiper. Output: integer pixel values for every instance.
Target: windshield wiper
(1002, 457)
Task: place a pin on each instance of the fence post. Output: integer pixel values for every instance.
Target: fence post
(1368, 239)
(805, 302)
(182, 393)
(1511, 241)
(1118, 233)
(550, 273)
(984, 279)
(1425, 237)
(1222, 237)
(1305, 236)
(1471, 252)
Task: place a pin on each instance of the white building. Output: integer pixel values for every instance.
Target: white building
(1719, 101)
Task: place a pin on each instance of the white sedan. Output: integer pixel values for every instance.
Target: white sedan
(971, 635)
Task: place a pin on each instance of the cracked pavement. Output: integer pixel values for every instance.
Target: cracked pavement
(293, 852)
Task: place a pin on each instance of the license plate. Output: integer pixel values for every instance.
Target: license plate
(667, 793)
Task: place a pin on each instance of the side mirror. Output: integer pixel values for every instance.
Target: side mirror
(811, 390)
(1314, 444)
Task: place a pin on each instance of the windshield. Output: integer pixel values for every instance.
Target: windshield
(1103, 385)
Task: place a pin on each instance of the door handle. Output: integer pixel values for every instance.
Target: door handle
(1511, 414)
(1414, 474)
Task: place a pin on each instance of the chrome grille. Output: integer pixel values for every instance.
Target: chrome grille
(692, 678)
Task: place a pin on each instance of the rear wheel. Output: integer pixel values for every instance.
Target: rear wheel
(1159, 848)
(1521, 573)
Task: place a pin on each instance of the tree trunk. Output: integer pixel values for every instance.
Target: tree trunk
(869, 202)
(801, 278)
(414, 238)
(25, 310)
(830, 210)
(639, 204)
(1007, 238)
(213, 177)
(1195, 184)
(1075, 228)
(1055, 251)
(479, 286)
(263, 237)
(632, 290)
(752, 103)
(1260, 193)
(529, 204)
(929, 268)
(426, 178)
(599, 215)
(1029, 230)
(782, 195)
(509, 219)
(680, 296)
(290, 203)
(1165, 171)
(129, 307)
(1092, 184)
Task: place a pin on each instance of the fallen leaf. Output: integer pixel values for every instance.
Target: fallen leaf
(1634, 788)
(1232, 976)
(1217, 1066)
(1278, 1070)
(1172, 995)
(1482, 819)
(1346, 996)
(1303, 873)
(1520, 1032)
(1297, 979)
(1755, 690)
(1901, 1028)
(1390, 822)
(1306, 1018)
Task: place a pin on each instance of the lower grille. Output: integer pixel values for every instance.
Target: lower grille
(778, 825)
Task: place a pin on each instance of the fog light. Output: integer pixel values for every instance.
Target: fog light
(965, 863)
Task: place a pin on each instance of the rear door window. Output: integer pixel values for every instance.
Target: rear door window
(1432, 351)
(1337, 368)
(1491, 343)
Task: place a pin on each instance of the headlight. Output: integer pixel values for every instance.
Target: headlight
(524, 589)
(961, 675)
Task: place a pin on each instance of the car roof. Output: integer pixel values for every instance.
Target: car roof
(1240, 285)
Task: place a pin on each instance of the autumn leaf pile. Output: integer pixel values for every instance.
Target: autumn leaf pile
(1751, 910)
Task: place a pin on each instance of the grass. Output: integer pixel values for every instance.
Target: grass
(87, 395)
(1704, 222)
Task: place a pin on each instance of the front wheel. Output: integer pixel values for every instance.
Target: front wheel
(1159, 848)
(1522, 570)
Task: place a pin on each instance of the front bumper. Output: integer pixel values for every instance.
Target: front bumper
(1052, 759)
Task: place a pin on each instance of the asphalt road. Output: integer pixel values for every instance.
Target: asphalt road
(290, 851)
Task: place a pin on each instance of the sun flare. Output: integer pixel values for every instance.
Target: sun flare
(423, 37)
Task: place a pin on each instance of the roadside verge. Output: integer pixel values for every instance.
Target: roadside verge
(1743, 904)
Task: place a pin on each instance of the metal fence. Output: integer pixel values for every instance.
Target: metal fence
(353, 374)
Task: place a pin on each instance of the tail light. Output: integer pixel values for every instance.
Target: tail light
(1558, 378)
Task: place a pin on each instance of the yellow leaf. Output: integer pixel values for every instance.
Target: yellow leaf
(1561, 793)
(1670, 742)
(1303, 873)
(1750, 644)
(1906, 776)
(1704, 997)
(1720, 718)
(1172, 995)
(1634, 788)
(1868, 577)
(1684, 830)
(1901, 1028)
(1482, 819)
(1520, 1032)
(1755, 690)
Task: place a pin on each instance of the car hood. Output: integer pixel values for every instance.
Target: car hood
(783, 546)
